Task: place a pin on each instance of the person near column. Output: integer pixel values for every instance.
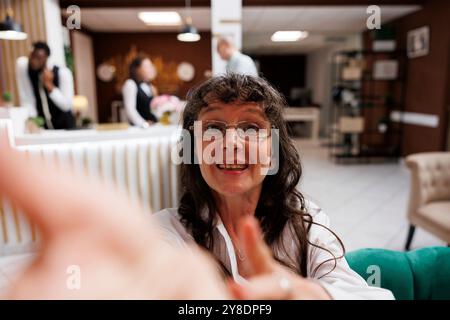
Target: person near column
(46, 91)
(237, 62)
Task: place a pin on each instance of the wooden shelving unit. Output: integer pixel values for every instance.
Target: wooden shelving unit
(372, 102)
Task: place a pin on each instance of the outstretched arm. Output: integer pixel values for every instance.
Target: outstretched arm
(115, 247)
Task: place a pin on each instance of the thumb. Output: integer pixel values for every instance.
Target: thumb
(259, 257)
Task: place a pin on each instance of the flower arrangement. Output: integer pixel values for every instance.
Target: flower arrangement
(166, 108)
(7, 99)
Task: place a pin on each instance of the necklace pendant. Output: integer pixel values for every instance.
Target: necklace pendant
(240, 255)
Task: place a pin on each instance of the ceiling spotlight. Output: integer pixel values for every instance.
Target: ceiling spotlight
(289, 36)
(189, 33)
(9, 29)
(160, 18)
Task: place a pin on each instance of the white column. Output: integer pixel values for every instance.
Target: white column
(54, 30)
(226, 20)
(83, 54)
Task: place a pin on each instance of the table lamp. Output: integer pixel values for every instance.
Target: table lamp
(80, 105)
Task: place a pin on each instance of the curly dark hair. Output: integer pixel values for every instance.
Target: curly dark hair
(280, 204)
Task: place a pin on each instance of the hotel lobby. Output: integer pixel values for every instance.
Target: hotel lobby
(97, 98)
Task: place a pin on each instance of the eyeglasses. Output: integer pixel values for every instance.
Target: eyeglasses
(245, 130)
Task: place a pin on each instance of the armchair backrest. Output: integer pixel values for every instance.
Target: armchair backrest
(430, 178)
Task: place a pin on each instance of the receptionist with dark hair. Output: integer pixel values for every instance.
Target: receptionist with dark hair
(138, 92)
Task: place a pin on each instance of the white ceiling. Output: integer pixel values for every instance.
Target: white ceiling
(126, 19)
(326, 25)
(258, 23)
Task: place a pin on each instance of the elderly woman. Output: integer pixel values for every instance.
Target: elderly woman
(248, 215)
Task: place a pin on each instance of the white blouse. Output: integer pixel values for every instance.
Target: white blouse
(129, 93)
(341, 283)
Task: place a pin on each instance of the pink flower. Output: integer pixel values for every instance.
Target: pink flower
(165, 103)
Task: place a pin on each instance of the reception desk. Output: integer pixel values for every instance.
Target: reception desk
(136, 161)
(90, 135)
(17, 115)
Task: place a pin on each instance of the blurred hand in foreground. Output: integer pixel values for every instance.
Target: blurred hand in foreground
(85, 225)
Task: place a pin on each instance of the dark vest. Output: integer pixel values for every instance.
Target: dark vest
(60, 119)
(143, 104)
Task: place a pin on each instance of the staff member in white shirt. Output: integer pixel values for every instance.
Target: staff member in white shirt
(295, 255)
(237, 62)
(47, 93)
(138, 93)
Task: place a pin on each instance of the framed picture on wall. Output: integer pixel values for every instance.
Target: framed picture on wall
(418, 42)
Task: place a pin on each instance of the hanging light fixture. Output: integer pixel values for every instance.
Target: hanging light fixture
(9, 29)
(189, 33)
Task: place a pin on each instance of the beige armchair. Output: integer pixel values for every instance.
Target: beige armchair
(429, 200)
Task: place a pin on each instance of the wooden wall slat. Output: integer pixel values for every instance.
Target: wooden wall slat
(30, 14)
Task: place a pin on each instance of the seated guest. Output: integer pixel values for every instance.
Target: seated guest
(138, 93)
(46, 92)
(295, 255)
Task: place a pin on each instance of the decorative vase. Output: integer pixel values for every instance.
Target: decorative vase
(165, 118)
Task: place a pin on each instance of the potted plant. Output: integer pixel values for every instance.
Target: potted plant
(86, 123)
(35, 124)
(7, 99)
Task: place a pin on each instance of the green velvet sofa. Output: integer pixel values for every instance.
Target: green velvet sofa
(421, 274)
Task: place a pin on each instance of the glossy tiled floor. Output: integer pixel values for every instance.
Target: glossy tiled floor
(366, 202)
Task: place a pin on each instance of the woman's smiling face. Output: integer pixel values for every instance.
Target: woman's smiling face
(233, 164)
